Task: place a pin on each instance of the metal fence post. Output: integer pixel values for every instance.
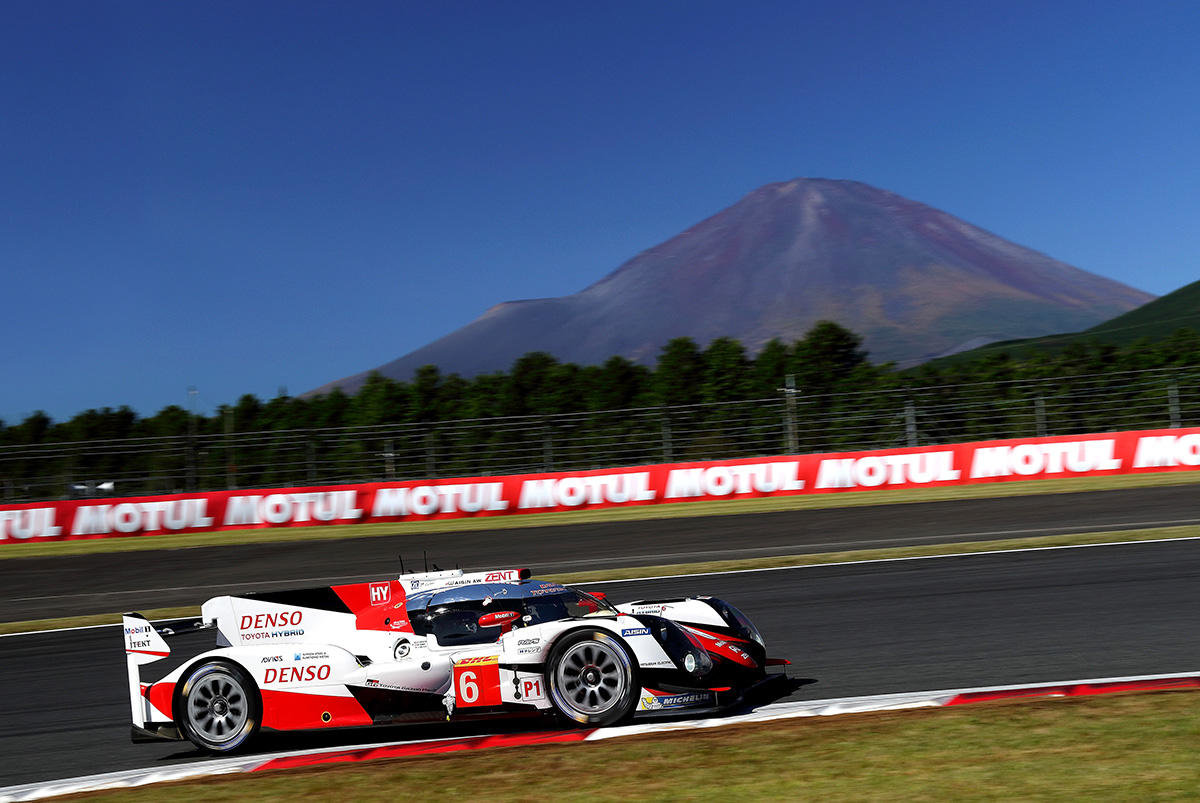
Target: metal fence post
(910, 424)
(389, 459)
(430, 454)
(1039, 416)
(547, 446)
(190, 453)
(192, 462)
(1173, 404)
(191, 458)
(230, 459)
(310, 458)
(789, 395)
(664, 422)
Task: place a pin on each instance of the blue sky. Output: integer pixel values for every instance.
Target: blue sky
(243, 196)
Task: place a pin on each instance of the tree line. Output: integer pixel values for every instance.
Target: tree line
(841, 401)
(537, 384)
(828, 360)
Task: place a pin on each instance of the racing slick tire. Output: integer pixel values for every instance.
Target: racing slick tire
(591, 678)
(219, 708)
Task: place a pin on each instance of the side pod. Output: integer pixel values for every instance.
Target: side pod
(143, 645)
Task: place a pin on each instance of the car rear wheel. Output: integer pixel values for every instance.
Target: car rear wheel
(591, 678)
(219, 709)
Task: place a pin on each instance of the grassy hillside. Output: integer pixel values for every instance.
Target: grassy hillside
(1154, 321)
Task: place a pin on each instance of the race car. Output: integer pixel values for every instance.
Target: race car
(439, 645)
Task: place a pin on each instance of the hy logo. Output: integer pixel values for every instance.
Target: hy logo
(381, 593)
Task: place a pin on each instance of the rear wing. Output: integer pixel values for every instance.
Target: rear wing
(145, 644)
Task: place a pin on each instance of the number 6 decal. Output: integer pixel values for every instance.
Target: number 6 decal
(477, 681)
(468, 689)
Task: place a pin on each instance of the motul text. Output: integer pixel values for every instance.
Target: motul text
(951, 464)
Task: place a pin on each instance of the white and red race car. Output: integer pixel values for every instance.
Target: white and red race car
(435, 646)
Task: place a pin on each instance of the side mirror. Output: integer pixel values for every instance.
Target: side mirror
(504, 619)
(590, 606)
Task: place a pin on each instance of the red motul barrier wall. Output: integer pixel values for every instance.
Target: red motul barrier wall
(955, 464)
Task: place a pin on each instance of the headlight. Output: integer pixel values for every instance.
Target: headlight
(683, 648)
(698, 661)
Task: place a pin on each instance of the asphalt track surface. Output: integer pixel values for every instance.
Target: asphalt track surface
(849, 630)
(32, 588)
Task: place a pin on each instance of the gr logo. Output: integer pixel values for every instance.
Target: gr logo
(381, 593)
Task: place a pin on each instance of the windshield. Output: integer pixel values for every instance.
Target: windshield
(563, 604)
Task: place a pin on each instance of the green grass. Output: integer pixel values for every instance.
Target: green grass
(1155, 320)
(1123, 747)
(623, 514)
(88, 620)
(782, 561)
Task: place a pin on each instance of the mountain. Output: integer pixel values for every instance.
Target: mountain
(915, 282)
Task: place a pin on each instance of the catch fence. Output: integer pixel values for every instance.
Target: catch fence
(791, 423)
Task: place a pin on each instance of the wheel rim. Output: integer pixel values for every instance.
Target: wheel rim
(217, 707)
(591, 677)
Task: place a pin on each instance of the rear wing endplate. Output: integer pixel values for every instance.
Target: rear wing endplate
(143, 645)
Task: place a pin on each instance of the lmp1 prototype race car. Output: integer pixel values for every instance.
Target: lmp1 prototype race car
(439, 645)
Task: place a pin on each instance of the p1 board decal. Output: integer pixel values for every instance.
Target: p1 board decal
(530, 689)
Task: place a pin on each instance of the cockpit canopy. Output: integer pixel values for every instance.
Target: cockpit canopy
(451, 615)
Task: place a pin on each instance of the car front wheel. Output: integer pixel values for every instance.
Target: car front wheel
(591, 678)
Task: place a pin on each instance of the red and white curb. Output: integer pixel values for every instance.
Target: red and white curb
(813, 708)
(920, 699)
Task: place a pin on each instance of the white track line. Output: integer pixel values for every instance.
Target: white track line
(837, 546)
(892, 560)
(56, 630)
(751, 571)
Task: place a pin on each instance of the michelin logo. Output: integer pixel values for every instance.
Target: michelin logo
(675, 700)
